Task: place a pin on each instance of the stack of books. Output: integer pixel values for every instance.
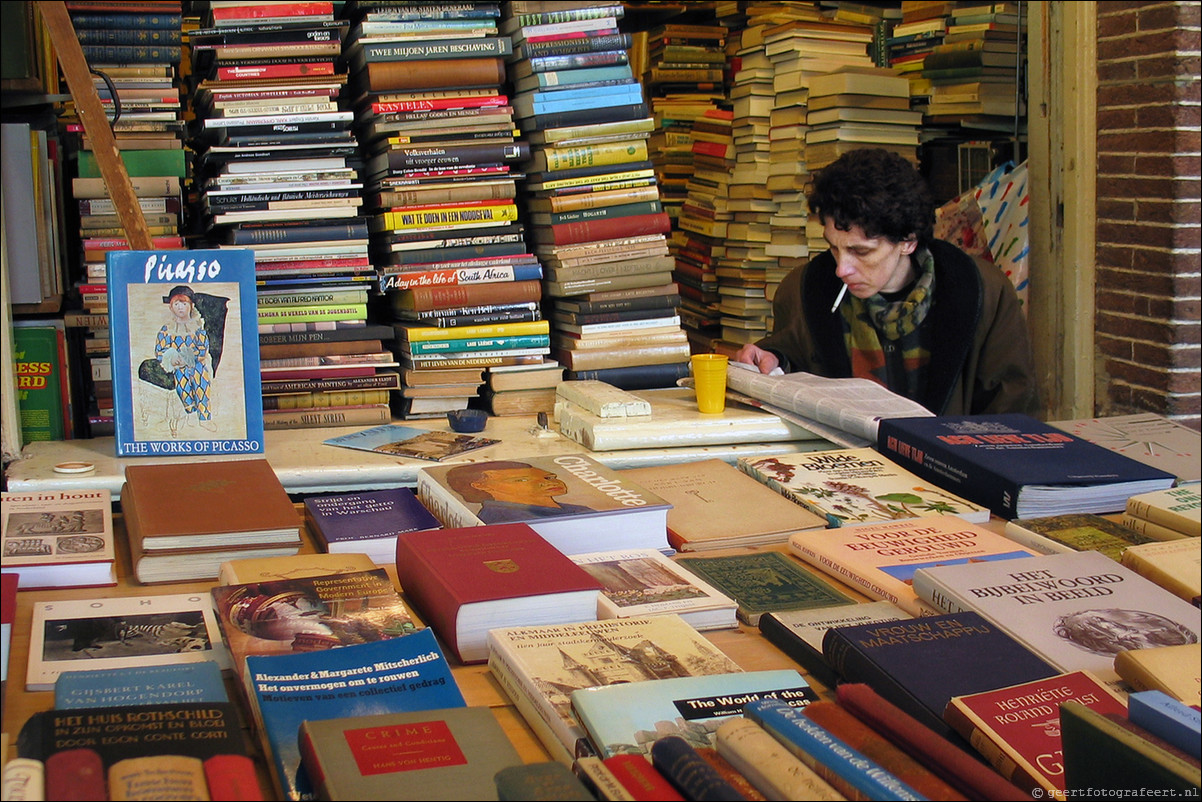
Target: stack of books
(137, 47)
(685, 79)
(522, 389)
(700, 237)
(440, 143)
(596, 218)
(859, 107)
(974, 71)
(277, 172)
(1170, 514)
(922, 26)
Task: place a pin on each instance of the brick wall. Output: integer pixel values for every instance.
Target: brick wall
(1148, 210)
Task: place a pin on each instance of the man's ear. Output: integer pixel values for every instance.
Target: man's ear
(909, 245)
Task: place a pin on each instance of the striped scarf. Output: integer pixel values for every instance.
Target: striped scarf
(886, 339)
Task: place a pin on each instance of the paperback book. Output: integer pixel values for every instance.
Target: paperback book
(310, 614)
(643, 582)
(58, 539)
(140, 685)
(567, 499)
(629, 717)
(185, 352)
(1144, 436)
(396, 675)
(407, 441)
(116, 633)
(366, 522)
(765, 582)
(1077, 611)
(880, 559)
(856, 486)
(540, 667)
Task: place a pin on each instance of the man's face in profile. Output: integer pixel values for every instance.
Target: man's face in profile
(521, 485)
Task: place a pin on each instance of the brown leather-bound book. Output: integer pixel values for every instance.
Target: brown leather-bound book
(593, 230)
(450, 73)
(421, 299)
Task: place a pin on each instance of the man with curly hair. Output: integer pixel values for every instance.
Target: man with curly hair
(889, 302)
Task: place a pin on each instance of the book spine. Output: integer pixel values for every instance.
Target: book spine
(601, 114)
(466, 192)
(1011, 770)
(440, 49)
(133, 21)
(600, 781)
(422, 333)
(285, 70)
(313, 297)
(132, 54)
(598, 199)
(482, 318)
(311, 314)
(465, 216)
(387, 381)
(145, 37)
(502, 292)
(784, 638)
(692, 776)
(435, 74)
(595, 359)
(498, 274)
(641, 779)
(367, 415)
(770, 767)
(434, 108)
(1150, 529)
(848, 771)
(465, 346)
(602, 213)
(636, 377)
(574, 61)
(547, 724)
(584, 44)
(591, 230)
(1175, 515)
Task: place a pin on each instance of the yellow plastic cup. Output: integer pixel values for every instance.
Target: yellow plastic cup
(709, 380)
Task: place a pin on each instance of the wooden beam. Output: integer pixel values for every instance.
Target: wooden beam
(95, 122)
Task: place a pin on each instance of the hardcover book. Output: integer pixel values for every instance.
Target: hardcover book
(1177, 508)
(196, 750)
(185, 349)
(880, 559)
(1175, 565)
(709, 501)
(690, 773)
(1017, 466)
(1083, 531)
(545, 781)
(848, 771)
(1077, 611)
(310, 614)
(245, 570)
(856, 486)
(540, 667)
(89, 634)
(799, 633)
(366, 522)
(1176, 670)
(628, 718)
(920, 664)
(58, 539)
(427, 754)
(1017, 728)
(566, 499)
(765, 582)
(140, 685)
(765, 762)
(643, 582)
(467, 581)
(1167, 718)
(396, 675)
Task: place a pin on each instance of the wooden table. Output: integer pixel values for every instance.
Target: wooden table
(744, 645)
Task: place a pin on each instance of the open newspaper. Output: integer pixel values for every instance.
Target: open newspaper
(844, 411)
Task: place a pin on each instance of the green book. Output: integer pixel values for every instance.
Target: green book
(1074, 532)
(765, 583)
(166, 161)
(43, 392)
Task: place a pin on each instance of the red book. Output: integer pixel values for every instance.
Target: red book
(607, 228)
(271, 10)
(466, 581)
(1016, 728)
(641, 779)
(276, 70)
(424, 104)
(77, 774)
(940, 755)
(872, 744)
(233, 777)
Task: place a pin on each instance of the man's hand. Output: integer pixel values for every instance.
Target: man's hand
(765, 361)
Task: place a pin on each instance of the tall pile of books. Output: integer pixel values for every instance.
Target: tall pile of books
(922, 26)
(136, 48)
(859, 107)
(700, 236)
(461, 288)
(277, 172)
(684, 79)
(596, 218)
(973, 71)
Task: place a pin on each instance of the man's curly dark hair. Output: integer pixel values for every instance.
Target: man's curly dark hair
(877, 190)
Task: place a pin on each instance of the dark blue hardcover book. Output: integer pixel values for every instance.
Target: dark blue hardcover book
(636, 377)
(266, 235)
(689, 772)
(368, 521)
(1017, 466)
(921, 663)
(131, 21)
(602, 114)
(583, 44)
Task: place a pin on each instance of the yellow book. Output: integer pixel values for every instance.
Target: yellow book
(427, 333)
(450, 216)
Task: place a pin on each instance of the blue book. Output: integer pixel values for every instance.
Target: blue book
(1015, 465)
(1167, 718)
(526, 104)
(389, 676)
(140, 685)
(849, 771)
(627, 718)
(184, 331)
(367, 522)
(567, 79)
